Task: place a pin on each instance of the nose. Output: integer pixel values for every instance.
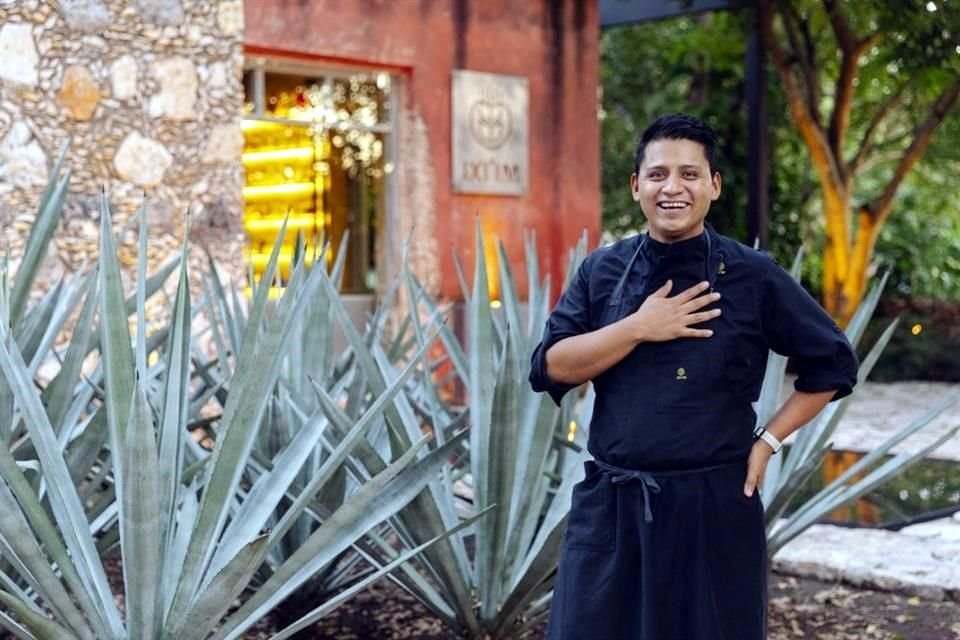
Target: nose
(672, 185)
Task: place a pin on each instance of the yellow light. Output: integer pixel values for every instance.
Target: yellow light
(573, 431)
(290, 191)
(268, 228)
(256, 158)
(916, 329)
(273, 294)
(495, 304)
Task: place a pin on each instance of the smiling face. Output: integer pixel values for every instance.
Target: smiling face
(674, 187)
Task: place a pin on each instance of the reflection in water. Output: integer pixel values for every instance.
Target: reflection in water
(928, 489)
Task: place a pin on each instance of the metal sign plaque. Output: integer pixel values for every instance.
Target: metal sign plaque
(490, 133)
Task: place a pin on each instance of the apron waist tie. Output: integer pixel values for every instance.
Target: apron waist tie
(648, 483)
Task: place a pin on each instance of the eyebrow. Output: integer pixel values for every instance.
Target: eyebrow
(683, 166)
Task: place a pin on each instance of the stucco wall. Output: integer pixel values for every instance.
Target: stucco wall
(554, 43)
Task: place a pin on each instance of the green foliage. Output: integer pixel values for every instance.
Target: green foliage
(926, 342)
(697, 65)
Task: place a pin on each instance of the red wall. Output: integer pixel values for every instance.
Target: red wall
(554, 43)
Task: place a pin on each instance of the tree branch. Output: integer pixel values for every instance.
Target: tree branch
(880, 207)
(811, 131)
(852, 49)
(803, 54)
(841, 28)
(866, 141)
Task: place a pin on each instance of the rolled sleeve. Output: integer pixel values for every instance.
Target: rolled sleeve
(795, 325)
(570, 317)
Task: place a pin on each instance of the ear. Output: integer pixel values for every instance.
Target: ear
(715, 183)
(635, 187)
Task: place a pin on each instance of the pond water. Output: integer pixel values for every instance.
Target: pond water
(927, 490)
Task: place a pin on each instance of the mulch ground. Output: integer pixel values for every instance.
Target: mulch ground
(799, 608)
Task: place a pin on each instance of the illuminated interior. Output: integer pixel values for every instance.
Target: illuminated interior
(315, 154)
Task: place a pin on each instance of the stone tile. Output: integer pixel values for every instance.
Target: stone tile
(178, 89)
(86, 16)
(141, 160)
(923, 566)
(19, 54)
(123, 77)
(79, 93)
(23, 162)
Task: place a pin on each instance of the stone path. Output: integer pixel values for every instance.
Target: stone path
(922, 560)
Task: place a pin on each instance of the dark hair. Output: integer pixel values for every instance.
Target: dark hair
(679, 126)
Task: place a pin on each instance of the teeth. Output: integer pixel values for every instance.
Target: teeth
(673, 205)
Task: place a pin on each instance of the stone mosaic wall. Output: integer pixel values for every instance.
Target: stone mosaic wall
(149, 94)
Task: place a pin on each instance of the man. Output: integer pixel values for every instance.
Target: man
(665, 537)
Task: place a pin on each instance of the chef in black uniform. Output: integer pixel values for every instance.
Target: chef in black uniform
(665, 538)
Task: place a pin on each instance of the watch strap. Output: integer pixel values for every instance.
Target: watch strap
(771, 440)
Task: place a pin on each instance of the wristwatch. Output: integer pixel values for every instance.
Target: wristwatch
(761, 433)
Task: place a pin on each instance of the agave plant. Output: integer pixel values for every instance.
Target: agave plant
(311, 363)
(190, 524)
(786, 474)
(521, 462)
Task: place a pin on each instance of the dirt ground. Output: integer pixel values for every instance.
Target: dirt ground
(799, 608)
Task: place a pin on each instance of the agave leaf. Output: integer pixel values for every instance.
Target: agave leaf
(58, 394)
(767, 406)
(535, 441)
(117, 355)
(439, 490)
(175, 403)
(39, 625)
(780, 500)
(375, 501)
(335, 602)
(861, 317)
(423, 519)
(23, 546)
(510, 298)
(814, 436)
(66, 506)
(539, 568)
(354, 436)
(234, 444)
(233, 330)
(84, 450)
(501, 473)
(14, 627)
(41, 233)
(141, 521)
(828, 499)
(408, 578)
(30, 332)
(45, 531)
(267, 492)
(451, 344)
(481, 388)
(255, 376)
(186, 517)
(224, 589)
